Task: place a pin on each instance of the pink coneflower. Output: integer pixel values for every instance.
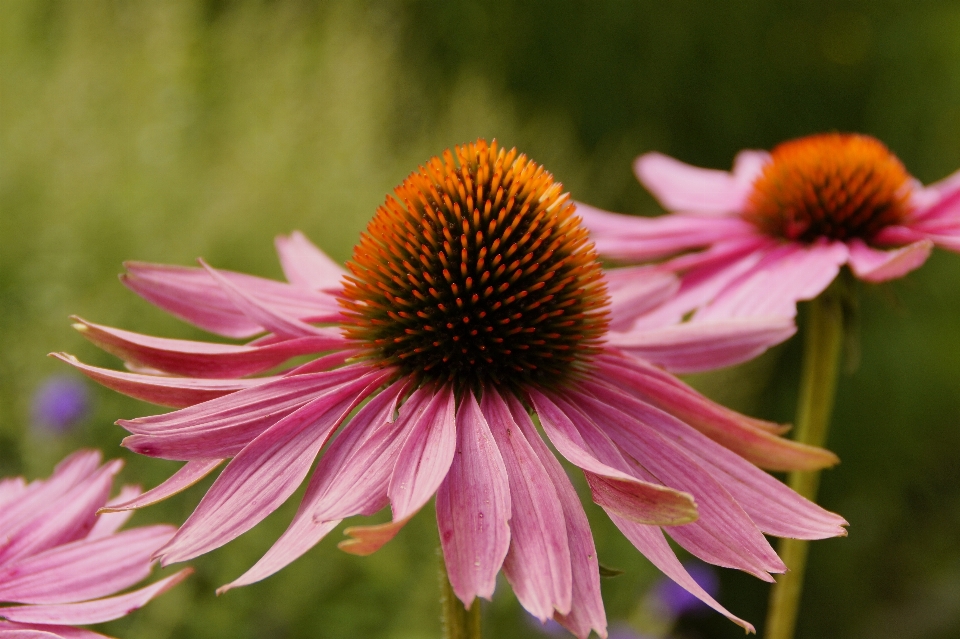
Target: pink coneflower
(62, 562)
(778, 228)
(474, 304)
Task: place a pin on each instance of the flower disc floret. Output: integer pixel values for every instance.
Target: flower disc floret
(477, 271)
(833, 185)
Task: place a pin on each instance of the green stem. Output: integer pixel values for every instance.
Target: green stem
(821, 360)
(458, 622)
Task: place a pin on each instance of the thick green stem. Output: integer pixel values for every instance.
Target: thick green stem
(458, 622)
(823, 342)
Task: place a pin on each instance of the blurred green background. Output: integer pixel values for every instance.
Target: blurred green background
(168, 130)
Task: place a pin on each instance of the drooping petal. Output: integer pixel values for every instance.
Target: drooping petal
(221, 427)
(783, 277)
(635, 290)
(635, 238)
(874, 265)
(650, 542)
(758, 445)
(84, 569)
(704, 275)
(473, 507)
(33, 500)
(191, 294)
(265, 473)
(682, 187)
(305, 265)
(10, 630)
(425, 456)
(774, 508)
(538, 566)
(177, 392)
(203, 359)
(705, 345)
(96, 611)
(608, 474)
(75, 510)
(188, 475)
(586, 608)
(351, 478)
(724, 534)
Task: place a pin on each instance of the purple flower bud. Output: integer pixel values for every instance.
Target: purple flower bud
(60, 403)
(676, 600)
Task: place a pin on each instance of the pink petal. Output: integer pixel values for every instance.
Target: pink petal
(203, 359)
(635, 290)
(724, 534)
(635, 238)
(191, 294)
(775, 508)
(274, 320)
(538, 566)
(607, 472)
(305, 265)
(649, 540)
(351, 478)
(735, 432)
(83, 569)
(66, 516)
(938, 199)
(425, 456)
(10, 630)
(28, 501)
(782, 278)
(97, 611)
(109, 523)
(682, 187)
(11, 488)
(265, 473)
(705, 345)
(586, 610)
(221, 427)
(473, 508)
(188, 475)
(704, 276)
(874, 265)
(177, 392)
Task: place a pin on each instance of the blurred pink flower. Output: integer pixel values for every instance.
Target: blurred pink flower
(474, 299)
(778, 228)
(61, 561)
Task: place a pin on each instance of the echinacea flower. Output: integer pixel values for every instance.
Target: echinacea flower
(778, 228)
(62, 562)
(474, 301)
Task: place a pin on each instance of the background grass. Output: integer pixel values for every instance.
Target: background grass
(169, 130)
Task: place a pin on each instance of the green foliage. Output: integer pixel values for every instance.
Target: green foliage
(165, 131)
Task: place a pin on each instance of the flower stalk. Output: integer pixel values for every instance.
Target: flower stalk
(823, 346)
(458, 622)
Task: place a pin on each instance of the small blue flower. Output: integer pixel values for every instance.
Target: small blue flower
(60, 403)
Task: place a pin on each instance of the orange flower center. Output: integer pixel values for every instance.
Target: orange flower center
(834, 185)
(477, 271)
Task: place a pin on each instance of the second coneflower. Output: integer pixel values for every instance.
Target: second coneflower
(474, 306)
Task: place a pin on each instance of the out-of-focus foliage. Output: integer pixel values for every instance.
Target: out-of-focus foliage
(165, 131)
